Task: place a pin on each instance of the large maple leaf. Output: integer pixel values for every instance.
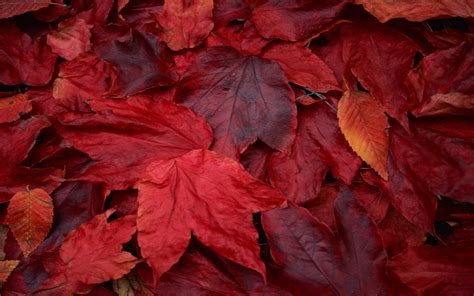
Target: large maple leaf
(244, 98)
(124, 136)
(204, 194)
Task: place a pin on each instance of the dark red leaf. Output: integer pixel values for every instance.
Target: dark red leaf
(142, 62)
(293, 20)
(251, 95)
(24, 59)
(313, 260)
(9, 8)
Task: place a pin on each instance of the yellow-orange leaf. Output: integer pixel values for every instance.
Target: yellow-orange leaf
(364, 126)
(30, 215)
(6, 267)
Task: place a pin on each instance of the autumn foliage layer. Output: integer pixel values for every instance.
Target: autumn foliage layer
(237, 147)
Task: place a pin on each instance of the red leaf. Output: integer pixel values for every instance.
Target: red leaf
(290, 20)
(437, 270)
(71, 38)
(368, 51)
(202, 273)
(142, 62)
(9, 8)
(23, 59)
(30, 216)
(299, 175)
(123, 137)
(92, 253)
(302, 67)
(85, 78)
(205, 194)
(242, 37)
(185, 24)
(417, 10)
(450, 153)
(441, 90)
(13, 107)
(321, 132)
(315, 261)
(251, 95)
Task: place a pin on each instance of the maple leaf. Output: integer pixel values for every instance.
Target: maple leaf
(185, 24)
(204, 194)
(9, 8)
(417, 10)
(92, 254)
(242, 97)
(30, 216)
(314, 260)
(71, 38)
(364, 126)
(123, 137)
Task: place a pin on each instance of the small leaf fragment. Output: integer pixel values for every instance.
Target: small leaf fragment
(6, 267)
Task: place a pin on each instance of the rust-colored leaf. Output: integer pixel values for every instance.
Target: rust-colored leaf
(6, 267)
(364, 126)
(30, 216)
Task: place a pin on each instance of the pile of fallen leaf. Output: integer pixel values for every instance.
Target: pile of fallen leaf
(237, 147)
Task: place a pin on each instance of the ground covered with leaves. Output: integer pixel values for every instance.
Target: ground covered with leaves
(236, 147)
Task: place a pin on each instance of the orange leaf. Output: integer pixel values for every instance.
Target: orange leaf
(30, 215)
(364, 125)
(6, 267)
